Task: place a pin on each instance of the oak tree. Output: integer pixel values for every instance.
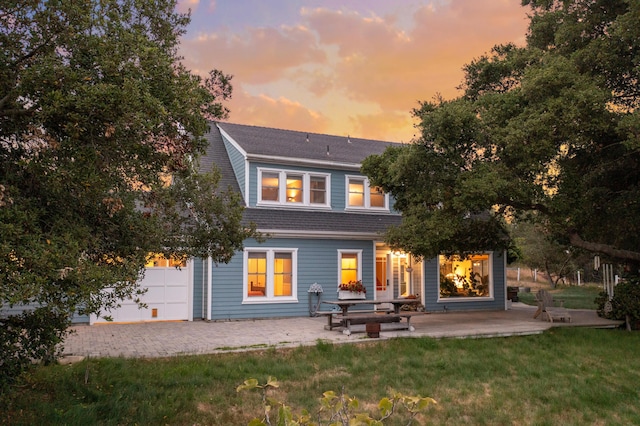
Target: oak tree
(548, 132)
(100, 129)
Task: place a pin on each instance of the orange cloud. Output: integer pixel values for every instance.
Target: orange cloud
(259, 55)
(339, 71)
(279, 113)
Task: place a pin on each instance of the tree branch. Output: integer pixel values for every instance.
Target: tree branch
(611, 251)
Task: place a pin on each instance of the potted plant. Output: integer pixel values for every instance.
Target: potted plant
(352, 290)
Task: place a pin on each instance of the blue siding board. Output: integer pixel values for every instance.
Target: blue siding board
(317, 262)
(237, 163)
(6, 311)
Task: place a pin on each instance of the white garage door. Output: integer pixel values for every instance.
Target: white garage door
(167, 297)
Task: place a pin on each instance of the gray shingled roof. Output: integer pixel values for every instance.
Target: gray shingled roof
(216, 154)
(325, 221)
(280, 219)
(292, 144)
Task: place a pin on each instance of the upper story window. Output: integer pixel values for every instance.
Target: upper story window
(362, 196)
(293, 188)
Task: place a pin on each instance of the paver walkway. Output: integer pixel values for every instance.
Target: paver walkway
(161, 339)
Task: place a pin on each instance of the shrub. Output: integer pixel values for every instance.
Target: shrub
(29, 337)
(336, 409)
(625, 304)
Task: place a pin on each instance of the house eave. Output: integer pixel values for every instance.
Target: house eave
(303, 162)
(287, 233)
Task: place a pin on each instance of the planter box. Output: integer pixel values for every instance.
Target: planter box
(343, 295)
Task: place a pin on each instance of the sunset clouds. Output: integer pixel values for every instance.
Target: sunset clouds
(351, 67)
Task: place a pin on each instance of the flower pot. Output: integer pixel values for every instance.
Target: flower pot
(373, 329)
(343, 294)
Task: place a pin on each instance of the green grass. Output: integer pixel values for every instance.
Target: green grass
(568, 376)
(574, 297)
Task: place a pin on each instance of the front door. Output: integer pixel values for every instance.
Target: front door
(384, 286)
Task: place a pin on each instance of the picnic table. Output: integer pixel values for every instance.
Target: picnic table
(348, 318)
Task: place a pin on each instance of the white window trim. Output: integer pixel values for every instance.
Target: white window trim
(269, 297)
(490, 297)
(358, 253)
(367, 195)
(306, 188)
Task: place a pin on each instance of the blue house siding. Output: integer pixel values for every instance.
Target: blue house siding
(237, 163)
(317, 262)
(6, 311)
(432, 289)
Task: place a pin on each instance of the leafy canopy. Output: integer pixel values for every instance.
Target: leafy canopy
(548, 132)
(97, 114)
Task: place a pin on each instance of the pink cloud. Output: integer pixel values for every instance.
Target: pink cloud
(256, 56)
(184, 6)
(393, 68)
(376, 63)
(279, 113)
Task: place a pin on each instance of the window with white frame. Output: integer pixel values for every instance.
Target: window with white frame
(270, 275)
(350, 266)
(468, 277)
(360, 195)
(293, 188)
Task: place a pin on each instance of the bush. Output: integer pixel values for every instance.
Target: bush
(28, 338)
(625, 304)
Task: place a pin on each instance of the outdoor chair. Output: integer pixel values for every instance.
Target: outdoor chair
(547, 307)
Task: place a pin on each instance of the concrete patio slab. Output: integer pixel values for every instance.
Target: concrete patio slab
(165, 339)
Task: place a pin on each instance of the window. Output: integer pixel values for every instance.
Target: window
(470, 277)
(270, 190)
(362, 196)
(270, 275)
(157, 260)
(350, 265)
(318, 188)
(377, 197)
(293, 188)
(356, 193)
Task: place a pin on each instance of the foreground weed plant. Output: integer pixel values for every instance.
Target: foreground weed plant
(335, 409)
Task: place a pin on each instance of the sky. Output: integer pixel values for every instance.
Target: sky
(348, 68)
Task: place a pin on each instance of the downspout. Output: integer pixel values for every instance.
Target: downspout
(209, 286)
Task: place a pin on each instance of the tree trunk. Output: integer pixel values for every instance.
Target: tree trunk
(611, 251)
(547, 272)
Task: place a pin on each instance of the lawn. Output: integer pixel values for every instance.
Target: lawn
(568, 376)
(575, 297)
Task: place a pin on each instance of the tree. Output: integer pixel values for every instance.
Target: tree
(97, 115)
(540, 251)
(549, 131)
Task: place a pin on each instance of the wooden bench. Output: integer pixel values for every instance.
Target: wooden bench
(331, 315)
(370, 318)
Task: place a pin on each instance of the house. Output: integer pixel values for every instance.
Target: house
(325, 226)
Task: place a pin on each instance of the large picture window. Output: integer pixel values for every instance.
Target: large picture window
(469, 277)
(362, 196)
(270, 275)
(293, 188)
